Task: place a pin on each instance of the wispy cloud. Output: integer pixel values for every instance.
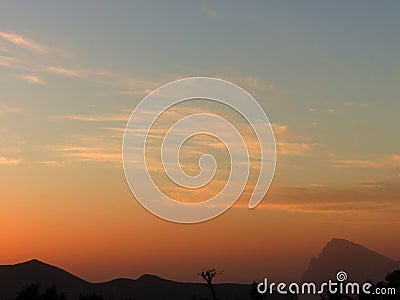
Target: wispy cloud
(10, 143)
(324, 199)
(209, 12)
(257, 83)
(4, 108)
(137, 92)
(44, 61)
(8, 61)
(95, 154)
(279, 129)
(49, 163)
(32, 79)
(20, 41)
(394, 158)
(96, 118)
(64, 71)
(84, 148)
(388, 161)
(9, 161)
(294, 149)
(356, 163)
(362, 105)
(372, 184)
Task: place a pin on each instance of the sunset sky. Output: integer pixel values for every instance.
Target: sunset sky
(326, 73)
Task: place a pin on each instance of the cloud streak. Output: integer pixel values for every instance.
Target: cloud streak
(4, 108)
(20, 41)
(32, 79)
(388, 161)
(44, 61)
(294, 149)
(95, 154)
(98, 149)
(96, 118)
(8, 61)
(4, 161)
(64, 72)
(322, 199)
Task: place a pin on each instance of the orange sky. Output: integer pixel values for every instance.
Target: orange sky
(70, 76)
(87, 222)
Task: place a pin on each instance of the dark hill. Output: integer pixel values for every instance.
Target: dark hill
(358, 262)
(15, 277)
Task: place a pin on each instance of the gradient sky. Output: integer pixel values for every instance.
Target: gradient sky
(326, 73)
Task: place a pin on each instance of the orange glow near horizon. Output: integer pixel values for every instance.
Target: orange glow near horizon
(93, 227)
(69, 81)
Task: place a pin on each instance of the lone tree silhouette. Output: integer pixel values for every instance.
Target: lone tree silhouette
(208, 276)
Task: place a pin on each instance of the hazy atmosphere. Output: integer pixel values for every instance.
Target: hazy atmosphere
(326, 73)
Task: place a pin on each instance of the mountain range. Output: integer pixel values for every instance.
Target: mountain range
(13, 278)
(358, 262)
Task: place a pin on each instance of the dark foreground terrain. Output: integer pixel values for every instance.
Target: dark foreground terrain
(37, 280)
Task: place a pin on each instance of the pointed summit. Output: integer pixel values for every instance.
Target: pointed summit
(32, 262)
(360, 263)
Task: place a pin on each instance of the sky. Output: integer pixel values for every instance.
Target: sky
(71, 73)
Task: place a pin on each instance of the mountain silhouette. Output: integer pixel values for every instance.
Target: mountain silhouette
(360, 263)
(15, 277)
